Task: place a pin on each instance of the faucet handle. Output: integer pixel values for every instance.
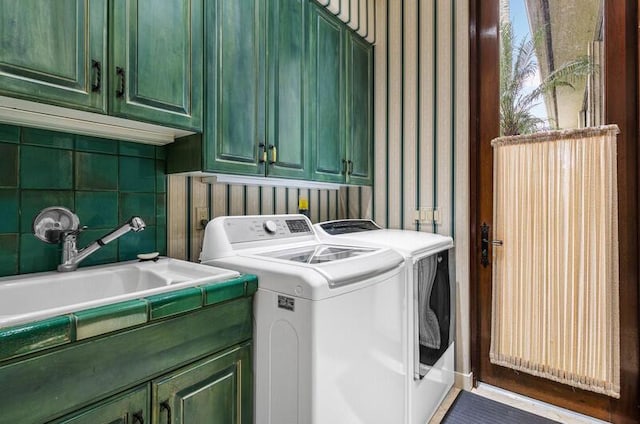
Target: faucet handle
(68, 233)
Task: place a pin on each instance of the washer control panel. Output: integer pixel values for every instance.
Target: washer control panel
(240, 229)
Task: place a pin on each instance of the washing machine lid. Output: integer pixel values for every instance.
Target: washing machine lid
(317, 254)
(414, 244)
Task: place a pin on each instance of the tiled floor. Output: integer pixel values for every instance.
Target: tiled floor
(531, 405)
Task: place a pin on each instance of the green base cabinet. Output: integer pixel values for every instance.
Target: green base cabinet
(55, 52)
(129, 408)
(137, 59)
(215, 390)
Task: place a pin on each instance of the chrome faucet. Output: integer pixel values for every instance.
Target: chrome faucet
(71, 256)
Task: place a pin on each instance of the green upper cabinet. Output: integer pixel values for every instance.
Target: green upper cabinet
(327, 106)
(359, 144)
(54, 51)
(215, 390)
(287, 149)
(147, 64)
(155, 71)
(235, 89)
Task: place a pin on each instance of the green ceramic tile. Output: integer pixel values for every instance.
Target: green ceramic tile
(161, 206)
(97, 209)
(251, 285)
(161, 239)
(8, 211)
(9, 168)
(173, 303)
(138, 204)
(9, 133)
(36, 255)
(47, 138)
(222, 291)
(161, 152)
(33, 201)
(8, 254)
(34, 337)
(131, 244)
(137, 174)
(96, 171)
(45, 168)
(105, 319)
(106, 254)
(137, 149)
(161, 177)
(96, 145)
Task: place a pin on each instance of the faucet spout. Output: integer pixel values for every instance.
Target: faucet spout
(71, 256)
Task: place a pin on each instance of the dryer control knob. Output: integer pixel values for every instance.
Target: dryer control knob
(270, 227)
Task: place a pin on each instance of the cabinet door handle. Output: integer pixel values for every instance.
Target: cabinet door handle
(137, 417)
(349, 167)
(344, 167)
(96, 67)
(274, 154)
(164, 406)
(121, 78)
(262, 153)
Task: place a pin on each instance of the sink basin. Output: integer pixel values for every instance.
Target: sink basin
(32, 297)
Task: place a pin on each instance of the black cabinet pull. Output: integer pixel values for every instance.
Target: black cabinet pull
(344, 167)
(137, 417)
(349, 167)
(96, 67)
(164, 406)
(121, 78)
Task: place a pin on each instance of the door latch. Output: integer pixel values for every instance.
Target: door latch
(484, 244)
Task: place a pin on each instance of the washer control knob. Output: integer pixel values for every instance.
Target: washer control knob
(270, 227)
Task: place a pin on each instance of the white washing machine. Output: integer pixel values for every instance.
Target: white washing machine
(330, 321)
(431, 310)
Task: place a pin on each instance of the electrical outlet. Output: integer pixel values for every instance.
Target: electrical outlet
(202, 218)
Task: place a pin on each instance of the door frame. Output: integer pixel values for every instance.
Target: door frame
(621, 107)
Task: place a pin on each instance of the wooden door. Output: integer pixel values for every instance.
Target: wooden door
(131, 407)
(235, 88)
(287, 140)
(359, 119)
(54, 52)
(621, 88)
(327, 96)
(157, 59)
(216, 390)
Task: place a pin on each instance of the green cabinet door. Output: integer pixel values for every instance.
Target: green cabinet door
(216, 390)
(235, 91)
(131, 407)
(327, 96)
(287, 96)
(359, 111)
(157, 61)
(54, 51)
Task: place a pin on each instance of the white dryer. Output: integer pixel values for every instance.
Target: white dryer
(431, 306)
(330, 321)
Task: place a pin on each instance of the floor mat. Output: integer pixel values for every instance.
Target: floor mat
(470, 408)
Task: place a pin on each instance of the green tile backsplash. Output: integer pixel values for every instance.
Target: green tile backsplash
(103, 181)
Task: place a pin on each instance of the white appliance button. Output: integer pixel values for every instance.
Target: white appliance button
(270, 227)
(298, 290)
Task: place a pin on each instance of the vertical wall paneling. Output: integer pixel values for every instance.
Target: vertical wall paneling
(324, 205)
(219, 200)
(281, 200)
(177, 217)
(334, 6)
(394, 114)
(426, 110)
(410, 180)
(461, 185)
(198, 200)
(380, 93)
(236, 199)
(268, 195)
(372, 26)
(253, 200)
(333, 205)
(354, 14)
(444, 123)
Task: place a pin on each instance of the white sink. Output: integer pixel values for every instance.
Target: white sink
(31, 297)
